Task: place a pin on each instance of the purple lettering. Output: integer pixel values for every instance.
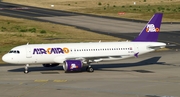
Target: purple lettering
(36, 51)
(48, 51)
(56, 51)
(60, 50)
(43, 51)
(53, 50)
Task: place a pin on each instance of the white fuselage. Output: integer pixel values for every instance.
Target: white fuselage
(95, 52)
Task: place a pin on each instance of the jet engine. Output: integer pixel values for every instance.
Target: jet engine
(50, 65)
(72, 65)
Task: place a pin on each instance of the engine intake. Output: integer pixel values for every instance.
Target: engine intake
(72, 65)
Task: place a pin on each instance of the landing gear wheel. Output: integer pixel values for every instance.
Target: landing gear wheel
(26, 71)
(90, 69)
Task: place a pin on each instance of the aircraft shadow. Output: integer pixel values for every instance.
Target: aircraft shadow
(149, 61)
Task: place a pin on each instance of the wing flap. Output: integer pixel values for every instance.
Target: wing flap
(60, 59)
(94, 57)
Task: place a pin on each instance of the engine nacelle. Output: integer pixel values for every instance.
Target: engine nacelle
(72, 65)
(50, 65)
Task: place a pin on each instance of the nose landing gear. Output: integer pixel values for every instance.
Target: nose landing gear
(26, 69)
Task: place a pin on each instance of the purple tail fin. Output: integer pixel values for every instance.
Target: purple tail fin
(151, 30)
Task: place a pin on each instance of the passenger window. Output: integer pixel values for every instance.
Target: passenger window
(11, 51)
(14, 51)
(18, 52)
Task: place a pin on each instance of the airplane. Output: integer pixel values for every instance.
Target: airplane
(74, 56)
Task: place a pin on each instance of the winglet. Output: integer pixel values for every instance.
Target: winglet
(151, 30)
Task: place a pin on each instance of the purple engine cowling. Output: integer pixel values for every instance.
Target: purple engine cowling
(72, 65)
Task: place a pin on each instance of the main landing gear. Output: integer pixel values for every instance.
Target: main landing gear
(26, 69)
(89, 69)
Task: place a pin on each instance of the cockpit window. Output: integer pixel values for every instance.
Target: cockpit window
(14, 51)
(11, 51)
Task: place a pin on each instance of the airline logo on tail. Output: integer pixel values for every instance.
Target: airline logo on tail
(151, 28)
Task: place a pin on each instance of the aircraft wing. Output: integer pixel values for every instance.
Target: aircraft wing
(84, 58)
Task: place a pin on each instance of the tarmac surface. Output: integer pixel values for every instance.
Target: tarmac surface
(152, 75)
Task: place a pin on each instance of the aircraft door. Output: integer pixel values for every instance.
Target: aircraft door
(28, 52)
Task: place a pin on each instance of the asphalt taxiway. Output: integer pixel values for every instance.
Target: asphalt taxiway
(152, 75)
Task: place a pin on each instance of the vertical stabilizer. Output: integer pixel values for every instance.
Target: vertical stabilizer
(151, 30)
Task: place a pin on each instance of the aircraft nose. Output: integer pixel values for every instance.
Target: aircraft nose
(5, 58)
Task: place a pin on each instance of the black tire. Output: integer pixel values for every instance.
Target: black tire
(26, 72)
(90, 69)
